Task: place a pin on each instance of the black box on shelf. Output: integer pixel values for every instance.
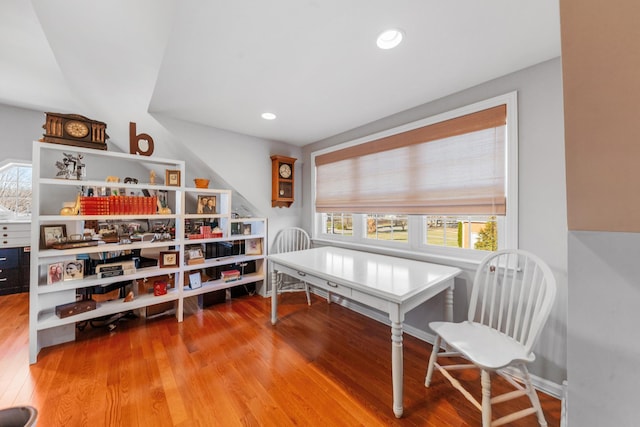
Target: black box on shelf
(243, 290)
(211, 298)
(224, 249)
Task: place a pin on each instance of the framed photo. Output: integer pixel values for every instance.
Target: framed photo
(73, 270)
(246, 229)
(206, 204)
(172, 178)
(50, 234)
(168, 259)
(253, 247)
(195, 280)
(55, 273)
(236, 228)
(193, 253)
(163, 198)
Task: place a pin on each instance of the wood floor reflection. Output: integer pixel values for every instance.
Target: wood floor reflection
(226, 365)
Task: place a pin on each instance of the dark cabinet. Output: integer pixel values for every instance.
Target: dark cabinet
(14, 270)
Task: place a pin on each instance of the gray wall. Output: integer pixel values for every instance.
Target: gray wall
(542, 198)
(19, 127)
(603, 337)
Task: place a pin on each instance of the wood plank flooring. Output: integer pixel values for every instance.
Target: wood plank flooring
(227, 365)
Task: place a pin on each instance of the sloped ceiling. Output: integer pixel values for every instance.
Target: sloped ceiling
(314, 63)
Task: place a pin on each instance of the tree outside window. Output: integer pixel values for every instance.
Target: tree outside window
(15, 189)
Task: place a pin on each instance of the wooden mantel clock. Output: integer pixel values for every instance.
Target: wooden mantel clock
(75, 130)
(282, 181)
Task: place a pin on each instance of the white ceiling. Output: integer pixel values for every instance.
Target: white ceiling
(222, 63)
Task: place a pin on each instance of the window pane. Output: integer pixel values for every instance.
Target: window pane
(338, 223)
(24, 176)
(15, 189)
(387, 227)
(442, 231)
(469, 232)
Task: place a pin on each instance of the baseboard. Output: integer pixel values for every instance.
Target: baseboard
(541, 384)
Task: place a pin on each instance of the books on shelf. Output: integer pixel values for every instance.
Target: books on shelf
(230, 275)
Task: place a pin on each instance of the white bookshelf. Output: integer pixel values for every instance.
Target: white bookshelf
(45, 327)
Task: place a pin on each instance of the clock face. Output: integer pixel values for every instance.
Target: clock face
(285, 171)
(76, 129)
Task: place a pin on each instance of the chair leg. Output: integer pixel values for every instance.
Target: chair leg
(306, 290)
(432, 361)
(485, 380)
(533, 396)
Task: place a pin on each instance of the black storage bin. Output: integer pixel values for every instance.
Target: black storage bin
(243, 290)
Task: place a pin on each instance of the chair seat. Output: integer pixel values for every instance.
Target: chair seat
(481, 345)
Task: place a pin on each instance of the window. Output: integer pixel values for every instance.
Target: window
(338, 224)
(387, 227)
(468, 232)
(15, 188)
(445, 185)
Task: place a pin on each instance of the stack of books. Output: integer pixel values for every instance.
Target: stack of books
(230, 275)
(122, 268)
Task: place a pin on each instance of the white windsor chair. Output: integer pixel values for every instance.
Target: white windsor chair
(288, 240)
(513, 292)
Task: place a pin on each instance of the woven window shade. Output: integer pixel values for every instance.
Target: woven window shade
(456, 166)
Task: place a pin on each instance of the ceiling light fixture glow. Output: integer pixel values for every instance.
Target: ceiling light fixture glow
(268, 116)
(389, 39)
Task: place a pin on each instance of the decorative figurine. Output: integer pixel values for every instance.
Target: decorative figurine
(74, 210)
(71, 167)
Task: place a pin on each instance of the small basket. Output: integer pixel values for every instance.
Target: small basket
(201, 183)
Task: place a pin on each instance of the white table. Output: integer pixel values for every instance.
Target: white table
(390, 284)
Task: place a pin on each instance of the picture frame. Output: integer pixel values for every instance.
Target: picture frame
(55, 273)
(168, 259)
(51, 234)
(195, 252)
(195, 280)
(73, 269)
(172, 178)
(236, 228)
(246, 229)
(194, 255)
(163, 198)
(206, 204)
(253, 247)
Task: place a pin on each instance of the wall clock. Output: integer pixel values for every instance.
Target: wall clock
(75, 130)
(282, 180)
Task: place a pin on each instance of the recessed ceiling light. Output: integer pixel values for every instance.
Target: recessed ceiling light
(268, 116)
(389, 39)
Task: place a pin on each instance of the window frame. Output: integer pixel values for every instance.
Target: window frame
(508, 236)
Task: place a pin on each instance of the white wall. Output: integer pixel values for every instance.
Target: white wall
(542, 197)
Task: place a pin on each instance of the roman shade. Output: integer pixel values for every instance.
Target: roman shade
(457, 166)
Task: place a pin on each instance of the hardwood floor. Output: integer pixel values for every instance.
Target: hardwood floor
(227, 366)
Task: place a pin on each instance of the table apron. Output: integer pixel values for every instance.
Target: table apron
(333, 287)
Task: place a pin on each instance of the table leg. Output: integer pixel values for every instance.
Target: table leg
(448, 304)
(397, 367)
(274, 297)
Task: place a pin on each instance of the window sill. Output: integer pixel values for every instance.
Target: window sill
(463, 263)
